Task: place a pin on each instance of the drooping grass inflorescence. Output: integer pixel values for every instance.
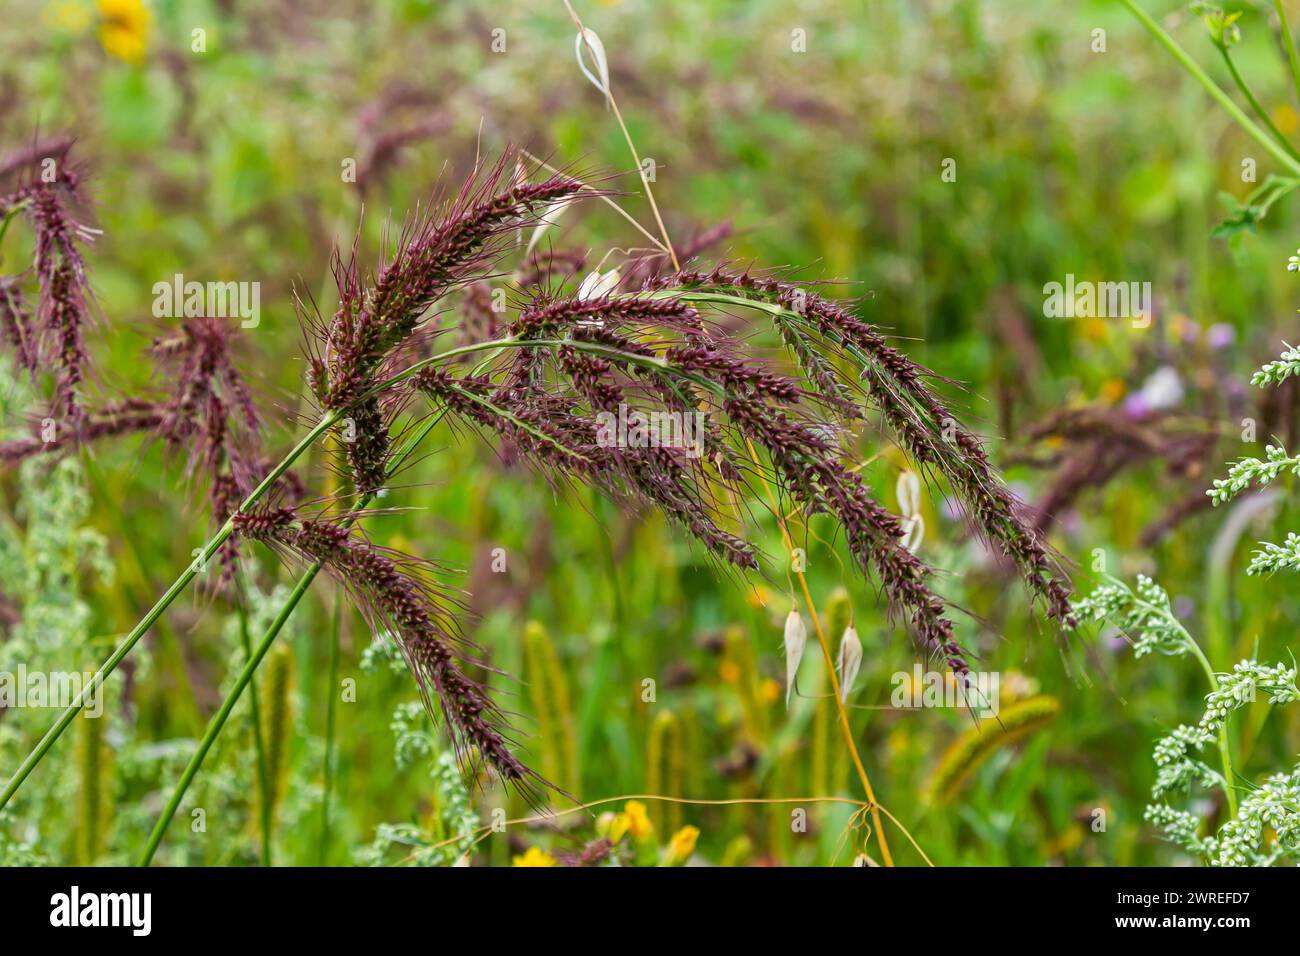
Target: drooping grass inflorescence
(571, 364)
(636, 393)
(436, 251)
(210, 417)
(400, 598)
(208, 414)
(52, 337)
(823, 336)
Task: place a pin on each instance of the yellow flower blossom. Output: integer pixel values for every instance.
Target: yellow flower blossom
(535, 856)
(681, 846)
(770, 691)
(633, 820)
(124, 28)
(638, 821)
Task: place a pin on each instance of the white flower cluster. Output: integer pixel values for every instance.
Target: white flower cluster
(1276, 806)
(453, 816)
(1178, 770)
(1270, 557)
(1276, 557)
(1146, 616)
(1146, 613)
(1238, 689)
(1181, 827)
(1243, 473)
(1276, 372)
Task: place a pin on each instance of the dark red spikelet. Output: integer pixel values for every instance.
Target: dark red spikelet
(407, 606)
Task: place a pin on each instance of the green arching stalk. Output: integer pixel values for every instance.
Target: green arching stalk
(1288, 42)
(250, 666)
(10, 215)
(1233, 110)
(1254, 103)
(331, 688)
(200, 563)
(171, 651)
(223, 712)
(258, 746)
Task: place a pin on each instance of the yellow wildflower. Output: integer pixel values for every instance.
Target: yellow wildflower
(124, 28)
(535, 856)
(681, 846)
(638, 821)
(633, 820)
(770, 691)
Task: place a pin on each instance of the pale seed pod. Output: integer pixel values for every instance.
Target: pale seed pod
(913, 532)
(545, 221)
(598, 284)
(849, 662)
(908, 492)
(796, 638)
(588, 42)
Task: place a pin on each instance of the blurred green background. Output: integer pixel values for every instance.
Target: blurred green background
(227, 164)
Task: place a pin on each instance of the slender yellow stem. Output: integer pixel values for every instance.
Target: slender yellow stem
(636, 157)
(608, 202)
(830, 664)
